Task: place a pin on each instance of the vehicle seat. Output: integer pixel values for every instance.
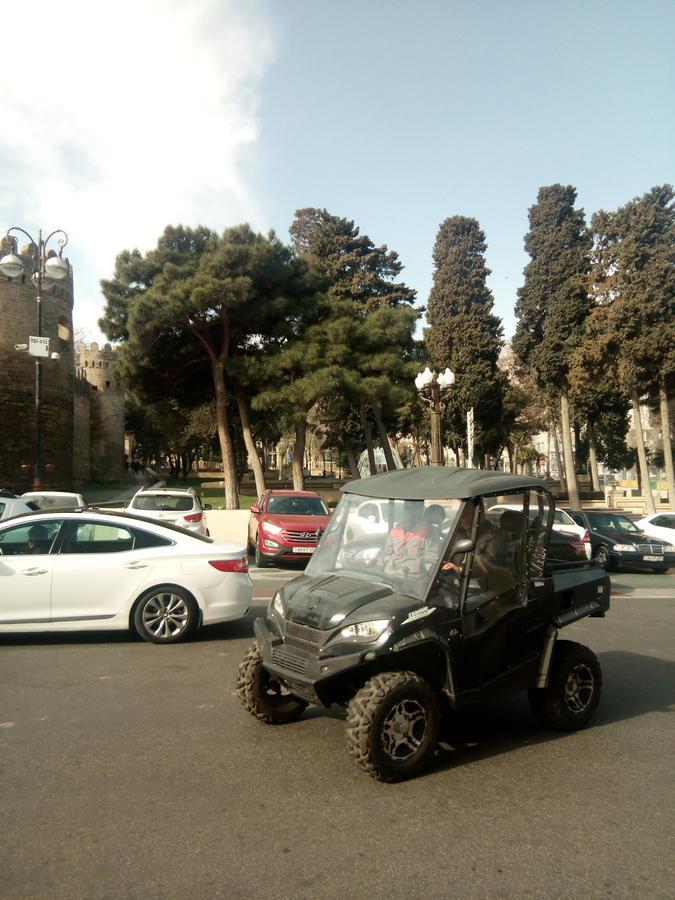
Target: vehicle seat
(513, 524)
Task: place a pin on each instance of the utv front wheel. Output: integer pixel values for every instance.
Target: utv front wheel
(392, 725)
(262, 695)
(573, 694)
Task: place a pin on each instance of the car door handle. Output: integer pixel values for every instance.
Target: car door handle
(136, 565)
(34, 571)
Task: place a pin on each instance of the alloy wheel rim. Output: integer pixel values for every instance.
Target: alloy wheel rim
(404, 729)
(579, 688)
(165, 615)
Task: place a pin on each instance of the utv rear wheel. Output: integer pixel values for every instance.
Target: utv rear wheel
(392, 725)
(262, 695)
(575, 685)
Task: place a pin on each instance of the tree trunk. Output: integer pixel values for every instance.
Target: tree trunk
(642, 456)
(577, 447)
(570, 474)
(249, 443)
(556, 450)
(225, 438)
(368, 435)
(548, 453)
(667, 446)
(351, 459)
(593, 459)
(384, 438)
(299, 454)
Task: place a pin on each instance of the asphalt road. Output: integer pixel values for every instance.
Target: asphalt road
(130, 770)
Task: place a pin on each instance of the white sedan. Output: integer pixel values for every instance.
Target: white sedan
(89, 571)
(659, 525)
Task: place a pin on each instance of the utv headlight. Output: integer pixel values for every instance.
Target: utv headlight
(278, 605)
(625, 548)
(365, 631)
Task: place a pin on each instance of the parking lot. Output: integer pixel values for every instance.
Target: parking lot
(131, 770)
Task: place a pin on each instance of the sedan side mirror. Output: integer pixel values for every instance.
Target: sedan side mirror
(466, 545)
(207, 506)
(255, 510)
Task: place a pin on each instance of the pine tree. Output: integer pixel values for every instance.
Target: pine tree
(464, 334)
(553, 302)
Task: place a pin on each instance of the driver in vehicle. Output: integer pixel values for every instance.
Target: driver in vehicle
(490, 567)
(38, 540)
(414, 540)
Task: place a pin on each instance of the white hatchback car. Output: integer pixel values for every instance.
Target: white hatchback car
(55, 499)
(88, 571)
(175, 506)
(13, 506)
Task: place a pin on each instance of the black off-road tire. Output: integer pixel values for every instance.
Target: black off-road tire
(262, 695)
(574, 689)
(391, 708)
(601, 556)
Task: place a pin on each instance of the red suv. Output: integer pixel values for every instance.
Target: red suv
(286, 525)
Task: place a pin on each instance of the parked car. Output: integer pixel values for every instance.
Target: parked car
(93, 571)
(175, 506)
(618, 543)
(565, 546)
(400, 627)
(659, 525)
(562, 522)
(286, 525)
(13, 506)
(55, 499)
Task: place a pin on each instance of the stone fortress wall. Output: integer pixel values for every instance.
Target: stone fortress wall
(82, 401)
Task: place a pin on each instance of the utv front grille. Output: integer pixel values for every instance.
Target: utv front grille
(303, 636)
(290, 659)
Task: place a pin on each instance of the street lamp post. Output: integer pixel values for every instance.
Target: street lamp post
(431, 388)
(48, 267)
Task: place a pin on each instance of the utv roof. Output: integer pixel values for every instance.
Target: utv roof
(441, 483)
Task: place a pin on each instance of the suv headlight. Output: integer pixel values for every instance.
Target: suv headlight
(624, 548)
(278, 605)
(365, 631)
(271, 528)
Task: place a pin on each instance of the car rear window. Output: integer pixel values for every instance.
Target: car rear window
(2, 508)
(165, 503)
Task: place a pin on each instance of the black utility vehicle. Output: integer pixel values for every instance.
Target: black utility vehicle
(618, 543)
(428, 605)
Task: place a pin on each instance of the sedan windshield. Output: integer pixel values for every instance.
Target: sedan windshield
(398, 542)
(296, 506)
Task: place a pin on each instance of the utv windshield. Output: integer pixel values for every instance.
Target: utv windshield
(398, 542)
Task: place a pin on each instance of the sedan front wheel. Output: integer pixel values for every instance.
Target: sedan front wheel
(166, 615)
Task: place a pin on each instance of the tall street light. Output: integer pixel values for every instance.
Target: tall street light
(46, 267)
(431, 388)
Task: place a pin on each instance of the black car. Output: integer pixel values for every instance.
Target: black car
(445, 609)
(617, 543)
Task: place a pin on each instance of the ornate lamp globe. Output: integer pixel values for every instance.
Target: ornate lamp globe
(11, 265)
(56, 268)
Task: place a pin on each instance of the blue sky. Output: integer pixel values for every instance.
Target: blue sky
(394, 114)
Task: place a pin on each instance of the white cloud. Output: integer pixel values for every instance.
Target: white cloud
(118, 120)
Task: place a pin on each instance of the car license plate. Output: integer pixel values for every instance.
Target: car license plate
(652, 558)
(304, 549)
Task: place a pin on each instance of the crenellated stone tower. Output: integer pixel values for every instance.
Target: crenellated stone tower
(18, 320)
(96, 367)
(82, 400)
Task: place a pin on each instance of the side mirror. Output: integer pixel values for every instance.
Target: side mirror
(255, 510)
(466, 545)
(207, 506)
